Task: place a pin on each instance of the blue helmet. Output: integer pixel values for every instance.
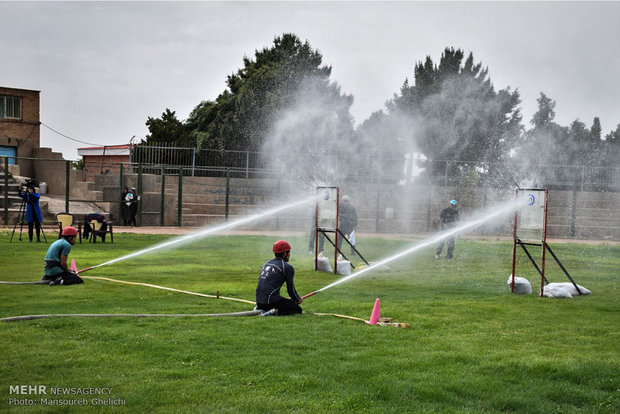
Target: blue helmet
(453, 202)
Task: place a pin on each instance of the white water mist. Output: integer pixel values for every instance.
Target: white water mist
(484, 216)
(212, 230)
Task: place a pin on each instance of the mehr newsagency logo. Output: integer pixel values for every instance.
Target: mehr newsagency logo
(44, 395)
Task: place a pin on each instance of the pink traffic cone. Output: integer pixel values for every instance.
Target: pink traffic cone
(376, 313)
(73, 265)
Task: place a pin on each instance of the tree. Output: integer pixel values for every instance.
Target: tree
(457, 114)
(261, 91)
(166, 130)
(545, 114)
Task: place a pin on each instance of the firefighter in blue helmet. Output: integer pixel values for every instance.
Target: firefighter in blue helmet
(448, 218)
(273, 275)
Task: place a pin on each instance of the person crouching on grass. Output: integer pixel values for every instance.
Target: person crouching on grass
(273, 275)
(56, 270)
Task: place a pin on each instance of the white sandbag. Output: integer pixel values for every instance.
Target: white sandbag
(552, 290)
(569, 287)
(323, 265)
(344, 267)
(522, 285)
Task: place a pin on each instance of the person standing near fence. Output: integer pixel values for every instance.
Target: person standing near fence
(347, 222)
(131, 202)
(448, 217)
(33, 212)
(124, 210)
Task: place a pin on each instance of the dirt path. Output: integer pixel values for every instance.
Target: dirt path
(288, 233)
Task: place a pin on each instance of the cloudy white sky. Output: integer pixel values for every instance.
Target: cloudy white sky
(104, 67)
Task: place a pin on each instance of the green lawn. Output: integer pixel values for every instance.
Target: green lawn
(472, 346)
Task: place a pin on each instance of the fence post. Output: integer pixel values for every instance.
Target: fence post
(6, 191)
(377, 213)
(67, 184)
(163, 193)
(121, 183)
(180, 198)
(247, 163)
(227, 194)
(428, 207)
(193, 161)
(573, 213)
(140, 193)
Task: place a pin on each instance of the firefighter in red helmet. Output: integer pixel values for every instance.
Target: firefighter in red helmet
(273, 275)
(57, 271)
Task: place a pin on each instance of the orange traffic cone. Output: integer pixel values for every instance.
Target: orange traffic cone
(73, 265)
(376, 313)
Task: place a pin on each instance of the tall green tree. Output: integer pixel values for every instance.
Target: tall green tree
(167, 130)
(457, 114)
(259, 93)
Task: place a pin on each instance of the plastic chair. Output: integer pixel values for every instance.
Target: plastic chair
(97, 231)
(64, 220)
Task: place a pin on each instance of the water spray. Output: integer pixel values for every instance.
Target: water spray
(501, 210)
(206, 232)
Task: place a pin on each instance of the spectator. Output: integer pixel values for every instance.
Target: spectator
(347, 222)
(33, 212)
(448, 217)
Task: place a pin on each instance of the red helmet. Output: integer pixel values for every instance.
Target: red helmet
(69, 231)
(281, 246)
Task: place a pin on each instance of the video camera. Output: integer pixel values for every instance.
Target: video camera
(29, 184)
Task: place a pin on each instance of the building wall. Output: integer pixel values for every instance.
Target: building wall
(97, 164)
(23, 134)
(410, 209)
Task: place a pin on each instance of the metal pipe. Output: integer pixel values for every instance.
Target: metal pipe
(310, 294)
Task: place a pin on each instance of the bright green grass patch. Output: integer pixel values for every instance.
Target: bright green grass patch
(472, 346)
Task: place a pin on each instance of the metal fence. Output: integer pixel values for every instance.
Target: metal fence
(377, 167)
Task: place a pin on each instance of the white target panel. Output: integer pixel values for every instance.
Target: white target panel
(327, 207)
(531, 218)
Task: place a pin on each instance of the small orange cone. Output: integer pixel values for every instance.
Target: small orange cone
(73, 265)
(376, 313)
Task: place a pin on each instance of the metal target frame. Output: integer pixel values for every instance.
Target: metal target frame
(326, 215)
(534, 232)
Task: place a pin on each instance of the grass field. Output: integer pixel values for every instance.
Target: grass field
(472, 346)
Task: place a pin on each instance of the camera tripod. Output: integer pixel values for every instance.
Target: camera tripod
(20, 221)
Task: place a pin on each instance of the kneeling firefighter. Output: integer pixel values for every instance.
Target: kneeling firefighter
(273, 275)
(56, 270)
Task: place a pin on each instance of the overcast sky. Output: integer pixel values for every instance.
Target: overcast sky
(104, 67)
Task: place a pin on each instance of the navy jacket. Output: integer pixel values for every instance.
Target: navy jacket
(273, 275)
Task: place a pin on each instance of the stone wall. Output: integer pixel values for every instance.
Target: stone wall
(409, 209)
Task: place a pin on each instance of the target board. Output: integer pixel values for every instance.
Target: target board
(531, 218)
(327, 207)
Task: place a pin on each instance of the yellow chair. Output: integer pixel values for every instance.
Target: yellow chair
(64, 220)
(96, 231)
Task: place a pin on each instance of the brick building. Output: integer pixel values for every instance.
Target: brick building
(19, 128)
(103, 160)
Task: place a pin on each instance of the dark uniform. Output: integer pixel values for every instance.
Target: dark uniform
(347, 221)
(448, 216)
(273, 275)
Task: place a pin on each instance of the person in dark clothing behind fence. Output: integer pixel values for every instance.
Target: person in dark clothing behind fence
(448, 217)
(56, 270)
(124, 210)
(273, 275)
(132, 206)
(33, 212)
(347, 221)
(311, 241)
